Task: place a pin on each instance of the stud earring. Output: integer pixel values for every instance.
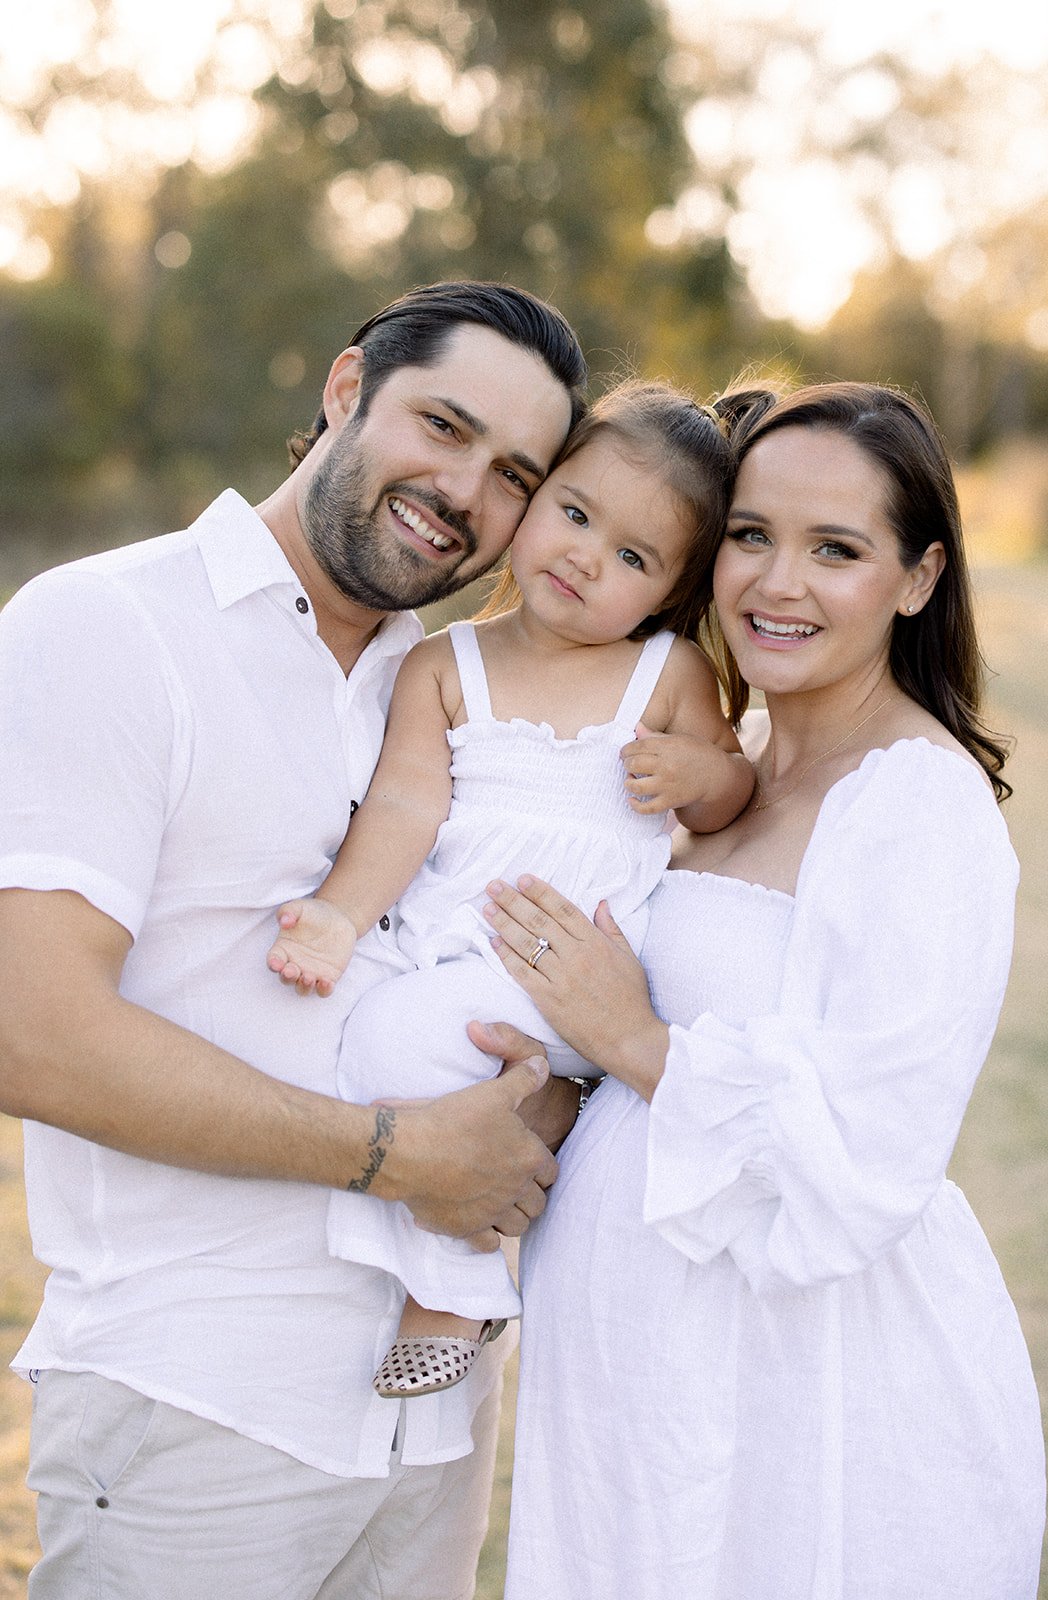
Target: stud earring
(909, 611)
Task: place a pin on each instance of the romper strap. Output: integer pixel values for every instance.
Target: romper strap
(473, 678)
(646, 675)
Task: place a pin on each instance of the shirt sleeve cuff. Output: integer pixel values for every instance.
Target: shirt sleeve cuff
(57, 872)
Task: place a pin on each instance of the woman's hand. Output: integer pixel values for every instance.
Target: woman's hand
(583, 977)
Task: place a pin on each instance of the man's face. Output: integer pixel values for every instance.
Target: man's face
(424, 492)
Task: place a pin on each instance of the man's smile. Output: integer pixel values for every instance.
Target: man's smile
(421, 526)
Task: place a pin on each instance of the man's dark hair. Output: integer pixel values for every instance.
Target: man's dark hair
(414, 329)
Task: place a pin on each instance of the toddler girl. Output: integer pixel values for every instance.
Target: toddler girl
(551, 736)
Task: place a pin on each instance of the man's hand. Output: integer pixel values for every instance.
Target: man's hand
(551, 1111)
(465, 1164)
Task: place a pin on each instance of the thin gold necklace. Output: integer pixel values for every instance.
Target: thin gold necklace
(762, 804)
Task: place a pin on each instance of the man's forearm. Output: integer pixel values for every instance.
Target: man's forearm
(126, 1078)
(74, 1053)
(99, 1066)
(152, 1089)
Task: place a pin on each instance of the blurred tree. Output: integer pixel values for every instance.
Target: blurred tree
(634, 173)
(934, 172)
(494, 140)
(65, 392)
(399, 141)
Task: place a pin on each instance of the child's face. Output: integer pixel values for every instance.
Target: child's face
(601, 546)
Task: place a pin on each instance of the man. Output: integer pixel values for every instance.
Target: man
(187, 725)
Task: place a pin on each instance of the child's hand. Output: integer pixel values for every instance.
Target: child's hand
(666, 770)
(313, 948)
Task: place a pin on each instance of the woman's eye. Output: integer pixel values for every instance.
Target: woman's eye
(576, 516)
(836, 551)
(751, 536)
(632, 559)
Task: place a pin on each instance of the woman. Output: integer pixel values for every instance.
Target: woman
(768, 1354)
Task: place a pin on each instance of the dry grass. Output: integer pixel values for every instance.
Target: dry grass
(19, 1296)
(1001, 1161)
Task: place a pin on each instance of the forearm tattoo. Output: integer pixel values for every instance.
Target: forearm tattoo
(378, 1148)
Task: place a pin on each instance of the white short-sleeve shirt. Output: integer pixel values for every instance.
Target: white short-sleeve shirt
(182, 749)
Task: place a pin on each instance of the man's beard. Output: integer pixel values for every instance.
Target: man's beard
(376, 570)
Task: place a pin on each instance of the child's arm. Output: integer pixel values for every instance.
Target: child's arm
(689, 762)
(390, 837)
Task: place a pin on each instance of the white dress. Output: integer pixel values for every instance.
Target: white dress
(767, 1353)
(523, 800)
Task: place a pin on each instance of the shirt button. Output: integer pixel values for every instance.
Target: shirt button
(383, 923)
(302, 604)
(101, 1502)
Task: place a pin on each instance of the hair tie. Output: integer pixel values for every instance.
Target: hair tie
(719, 422)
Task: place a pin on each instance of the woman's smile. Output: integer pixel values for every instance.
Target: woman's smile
(810, 565)
(779, 631)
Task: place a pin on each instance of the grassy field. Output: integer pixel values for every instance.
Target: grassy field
(1001, 1160)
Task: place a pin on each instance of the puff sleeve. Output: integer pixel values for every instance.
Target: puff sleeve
(808, 1142)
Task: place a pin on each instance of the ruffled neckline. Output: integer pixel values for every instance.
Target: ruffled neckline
(914, 753)
(540, 732)
(723, 881)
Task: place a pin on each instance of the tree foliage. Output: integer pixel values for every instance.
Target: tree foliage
(400, 142)
(187, 321)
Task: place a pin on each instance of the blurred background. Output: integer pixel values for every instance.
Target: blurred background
(199, 202)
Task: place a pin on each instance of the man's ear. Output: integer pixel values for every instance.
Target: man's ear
(342, 390)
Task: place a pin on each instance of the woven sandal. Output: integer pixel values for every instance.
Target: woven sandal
(422, 1366)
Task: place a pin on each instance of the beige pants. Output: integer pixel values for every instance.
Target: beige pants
(141, 1501)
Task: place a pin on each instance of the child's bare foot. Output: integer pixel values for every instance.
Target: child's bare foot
(417, 1322)
(433, 1350)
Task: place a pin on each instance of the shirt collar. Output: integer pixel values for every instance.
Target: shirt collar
(241, 558)
(240, 554)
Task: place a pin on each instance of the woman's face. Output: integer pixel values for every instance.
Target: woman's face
(808, 580)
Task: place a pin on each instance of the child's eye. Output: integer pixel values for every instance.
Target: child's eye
(577, 516)
(632, 559)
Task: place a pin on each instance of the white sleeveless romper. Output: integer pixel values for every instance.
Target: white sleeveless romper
(522, 801)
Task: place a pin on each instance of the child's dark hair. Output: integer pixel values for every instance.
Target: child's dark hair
(660, 428)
